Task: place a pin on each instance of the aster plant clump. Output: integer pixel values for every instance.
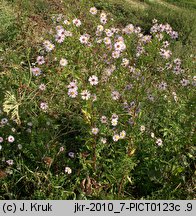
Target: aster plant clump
(111, 87)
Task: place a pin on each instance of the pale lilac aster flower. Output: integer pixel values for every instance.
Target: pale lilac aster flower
(43, 105)
(59, 38)
(107, 41)
(103, 20)
(163, 86)
(36, 71)
(125, 62)
(114, 116)
(72, 93)
(119, 46)
(66, 22)
(103, 119)
(94, 97)
(10, 139)
(93, 10)
(115, 95)
(109, 33)
(40, 60)
(122, 134)
(184, 82)
(1, 139)
(165, 44)
(71, 154)
(114, 122)
(116, 137)
(10, 162)
(63, 62)
(103, 140)
(48, 46)
(93, 80)
(42, 87)
(68, 170)
(100, 28)
(85, 94)
(129, 29)
(77, 22)
(73, 85)
(159, 142)
(4, 121)
(84, 39)
(95, 131)
(115, 54)
(142, 128)
(165, 53)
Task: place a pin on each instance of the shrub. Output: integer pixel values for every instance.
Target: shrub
(105, 108)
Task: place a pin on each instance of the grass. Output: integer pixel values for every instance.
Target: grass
(38, 171)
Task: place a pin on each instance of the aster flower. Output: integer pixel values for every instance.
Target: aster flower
(10, 139)
(77, 22)
(103, 15)
(115, 95)
(109, 32)
(93, 80)
(71, 154)
(4, 121)
(142, 128)
(40, 60)
(103, 119)
(95, 131)
(107, 41)
(114, 116)
(122, 134)
(119, 46)
(10, 162)
(48, 46)
(93, 10)
(84, 39)
(1, 139)
(36, 71)
(59, 38)
(116, 137)
(159, 142)
(72, 93)
(66, 22)
(85, 94)
(42, 87)
(152, 135)
(100, 28)
(43, 105)
(165, 53)
(103, 20)
(103, 140)
(63, 62)
(184, 82)
(163, 86)
(125, 62)
(73, 85)
(114, 122)
(128, 29)
(115, 54)
(68, 170)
